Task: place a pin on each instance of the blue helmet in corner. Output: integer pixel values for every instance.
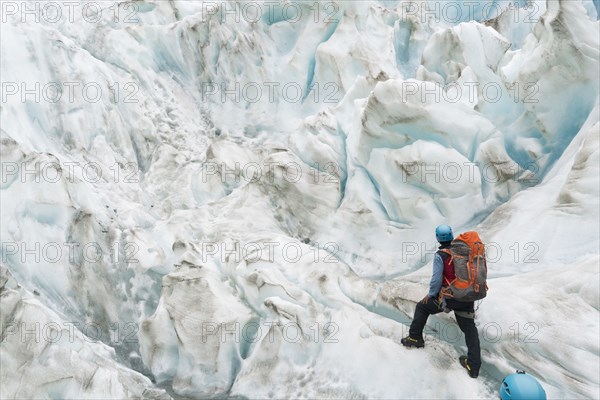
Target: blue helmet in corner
(443, 233)
(521, 386)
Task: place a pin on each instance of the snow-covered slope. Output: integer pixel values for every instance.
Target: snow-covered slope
(51, 357)
(234, 204)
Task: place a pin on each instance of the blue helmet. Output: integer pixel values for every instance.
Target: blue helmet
(521, 386)
(443, 233)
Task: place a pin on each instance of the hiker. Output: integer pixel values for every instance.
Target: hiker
(433, 303)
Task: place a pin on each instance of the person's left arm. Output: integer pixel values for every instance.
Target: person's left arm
(435, 285)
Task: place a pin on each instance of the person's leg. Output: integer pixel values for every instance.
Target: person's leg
(467, 326)
(422, 312)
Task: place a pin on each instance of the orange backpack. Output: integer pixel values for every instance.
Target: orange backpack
(467, 253)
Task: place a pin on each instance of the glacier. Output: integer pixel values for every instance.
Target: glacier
(206, 199)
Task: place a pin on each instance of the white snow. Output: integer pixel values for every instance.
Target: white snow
(251, 203)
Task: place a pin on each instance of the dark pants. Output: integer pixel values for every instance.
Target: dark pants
(466, 325)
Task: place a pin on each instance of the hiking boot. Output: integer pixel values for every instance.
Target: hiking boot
(465, 364)
(412, 342)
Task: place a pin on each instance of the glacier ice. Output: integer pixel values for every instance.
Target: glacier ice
(276, 248)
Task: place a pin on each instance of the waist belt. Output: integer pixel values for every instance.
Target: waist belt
(465, 314)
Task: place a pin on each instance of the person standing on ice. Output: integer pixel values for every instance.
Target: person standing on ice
(443, 272)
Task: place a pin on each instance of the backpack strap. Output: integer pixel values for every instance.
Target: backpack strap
(445, 251)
